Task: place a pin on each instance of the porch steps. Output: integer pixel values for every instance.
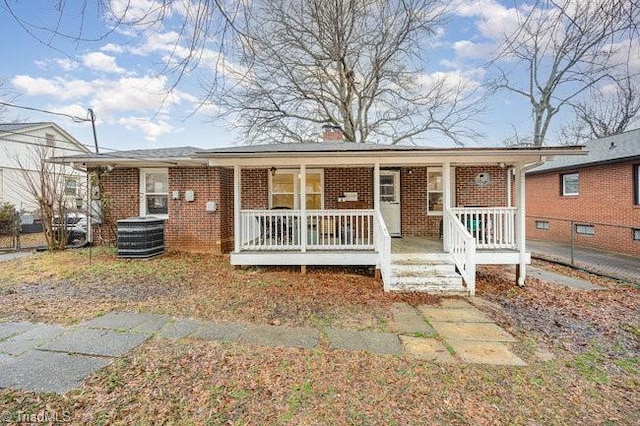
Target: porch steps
(425, 272)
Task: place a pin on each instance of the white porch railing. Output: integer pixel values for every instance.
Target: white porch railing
(270, 229)
(383, 247)
(340, 230)
(491, 227)
(463, 249)
(325, 230)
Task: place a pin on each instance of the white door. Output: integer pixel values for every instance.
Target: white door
(390, 200)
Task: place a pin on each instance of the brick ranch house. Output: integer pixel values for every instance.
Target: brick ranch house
(424, 217)
(596, 197)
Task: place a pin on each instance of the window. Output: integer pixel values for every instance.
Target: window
(542, 224)
(70, 187)
(154, 192)
(585, 229)
(51, 139)
(435, 194)
(636, 234)
(570, 184)
(285, 189)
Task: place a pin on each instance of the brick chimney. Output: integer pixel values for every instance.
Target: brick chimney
(332, 133)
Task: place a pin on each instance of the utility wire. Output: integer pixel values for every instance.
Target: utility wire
(61, 114)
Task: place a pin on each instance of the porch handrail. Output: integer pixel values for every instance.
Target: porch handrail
(382, 240)
(463, 249)
(492, 227)
(340, 229)
(270, 229)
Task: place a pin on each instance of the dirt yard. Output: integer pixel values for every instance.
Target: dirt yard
(582, 347)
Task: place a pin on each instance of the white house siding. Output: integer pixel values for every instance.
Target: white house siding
(20, 147)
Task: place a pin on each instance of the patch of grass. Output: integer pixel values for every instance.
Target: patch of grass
(630, 365)
(590, 365)
(300, 393)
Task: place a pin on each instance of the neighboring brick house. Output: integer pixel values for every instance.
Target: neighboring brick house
(598, 193)
(330, 203)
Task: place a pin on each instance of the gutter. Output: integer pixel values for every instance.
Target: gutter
(523, 217)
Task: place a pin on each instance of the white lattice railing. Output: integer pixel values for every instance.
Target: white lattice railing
(463, 249)
(491, 227)
(383, 247)
(325, 230)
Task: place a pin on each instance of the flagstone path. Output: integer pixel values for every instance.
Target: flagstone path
(52, 358)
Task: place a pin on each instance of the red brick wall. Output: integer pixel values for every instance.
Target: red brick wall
(255, 188)
(413, 204)
(121, 198)
(337, 181)
(189, 227)
(605, 199)
(469, 194)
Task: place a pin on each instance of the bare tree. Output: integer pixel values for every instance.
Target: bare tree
(46, 183)
(610, 110)
(348, 63)
(561, 49)
(198, 23)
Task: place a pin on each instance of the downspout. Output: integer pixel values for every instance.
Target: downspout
(521, 275)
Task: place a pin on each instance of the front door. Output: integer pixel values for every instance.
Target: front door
(390, 200)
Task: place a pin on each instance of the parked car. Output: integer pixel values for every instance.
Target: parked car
(76, 225)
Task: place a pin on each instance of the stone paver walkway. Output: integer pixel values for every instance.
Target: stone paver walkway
(52, 358)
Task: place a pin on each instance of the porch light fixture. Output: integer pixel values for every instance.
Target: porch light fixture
(502, 165)
(273, 171)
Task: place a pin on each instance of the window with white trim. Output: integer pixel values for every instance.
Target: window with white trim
(154, 192)
(70, 187)
(435, 191)
(284, 189)
(636, 234)
(542, 224)
(570, 184)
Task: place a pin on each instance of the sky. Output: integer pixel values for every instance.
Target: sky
(120, 77)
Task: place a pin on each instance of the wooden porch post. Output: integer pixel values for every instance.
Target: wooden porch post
(520, 225)
(237, 228)
(303, 208)
(446, 190)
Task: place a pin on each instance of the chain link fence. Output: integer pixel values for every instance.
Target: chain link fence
(599, 247)
(21, 231)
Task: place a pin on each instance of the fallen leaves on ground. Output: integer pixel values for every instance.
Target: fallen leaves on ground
(593, 379)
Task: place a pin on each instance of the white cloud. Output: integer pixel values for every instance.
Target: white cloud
(112, 48)
(57, 87)
(152, 130)
(66, 64)
(108, 97)
(138, 12)
(100, 62)
(470, 49)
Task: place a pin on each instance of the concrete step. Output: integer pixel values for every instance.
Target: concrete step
(421, 257)
(429, 288)
(420, 269)
(443, 280)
